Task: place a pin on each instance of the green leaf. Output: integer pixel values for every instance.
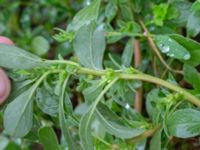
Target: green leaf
(171, 48)
(137, 5)
(85, 130)
(184, 123)
(111, 10)
(18, 116)
(113, 125)
(127, 55)
(192, 46)
(15, 58)
(93, 91)
(172, 12)
(86, 120)
(156, 141)
(47, 102)
(192, 76)
(160, 12)
(156, 103)
(89, 46)
(13, 146)
(62, 119)
(196, 6)
(125, 11)
(3, 142)
(183, 8)
(85, 16)
(48, 139)
(193, 24)
(40, 45)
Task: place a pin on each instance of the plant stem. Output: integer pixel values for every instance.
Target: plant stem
(156, 50)
(137, 61)
(149, 78)
(146, 134)
(128, 76)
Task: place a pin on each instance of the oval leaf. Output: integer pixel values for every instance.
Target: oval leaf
(192, 46)
(89, 46)
(85, 16)
(18, 116)
(171, 48)
(184, 123)
(110, 122)
(48, 138)
(15, 58)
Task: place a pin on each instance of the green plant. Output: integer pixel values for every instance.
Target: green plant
(90, 96)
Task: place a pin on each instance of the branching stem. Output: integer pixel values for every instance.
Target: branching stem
(132, 76)
(156, 50)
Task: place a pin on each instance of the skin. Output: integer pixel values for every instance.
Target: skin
(5, 85)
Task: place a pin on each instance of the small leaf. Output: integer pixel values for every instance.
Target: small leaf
(156, 141)
(184, 123)
(85, 16)
(129, 29)
(62, 119)
(113, 124)
(93, 91)
(48, 138)
(89, 46)
(86, 120)
(192, 46)
(193, 24)
(111, 10)
(125, 11)
(183, 8)
(137, 5)
(127, 55)
(40, 45)
(15, 58)
(196, 6)
(63, 35)
(18, 116)
(47, 102)
(192, 76)
(85, 130)
(160, 12)
(171, 48)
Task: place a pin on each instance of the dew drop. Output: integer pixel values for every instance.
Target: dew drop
(127, 106)
(88, 2)
(186, 56)
(165, 49)
(170, 55)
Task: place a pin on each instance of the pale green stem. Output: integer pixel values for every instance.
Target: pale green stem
(128, 76)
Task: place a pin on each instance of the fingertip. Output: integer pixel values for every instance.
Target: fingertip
(5, 86)
(6, 40)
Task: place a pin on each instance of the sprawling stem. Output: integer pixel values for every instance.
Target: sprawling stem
(156, 50)
(146, 134)
(128, 76)
(131, 76)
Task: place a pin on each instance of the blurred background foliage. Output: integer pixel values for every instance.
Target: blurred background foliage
(31, 25)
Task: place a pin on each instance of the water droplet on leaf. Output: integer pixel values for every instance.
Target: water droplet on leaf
(165, 49)
(186, 56)
(88, 2)
(127, 106)
(170, 55)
